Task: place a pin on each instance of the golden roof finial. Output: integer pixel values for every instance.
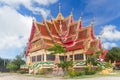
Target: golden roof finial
(42, 16)
(71, 13)
(59, 7)
(93, 20)
(59, 16)
(81, 16)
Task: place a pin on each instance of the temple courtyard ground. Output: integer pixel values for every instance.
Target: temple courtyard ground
(14, 76)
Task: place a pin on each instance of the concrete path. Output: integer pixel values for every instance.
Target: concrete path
(8, 76)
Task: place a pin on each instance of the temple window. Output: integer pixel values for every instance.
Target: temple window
(50, 57)
(39, 58)
(33, 58)
(71, 56)
(79, 57)
(62, 58)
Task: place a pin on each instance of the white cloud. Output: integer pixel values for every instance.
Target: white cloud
(14, 28)
(45, 2)
(111, 33)
(108, 45)
(110, 36)
(30, 5)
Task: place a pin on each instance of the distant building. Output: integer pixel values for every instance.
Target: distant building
(79, 41)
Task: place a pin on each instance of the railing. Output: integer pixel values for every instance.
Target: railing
(40, 63)
(80, 63)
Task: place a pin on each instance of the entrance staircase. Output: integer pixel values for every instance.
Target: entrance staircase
(33, 69)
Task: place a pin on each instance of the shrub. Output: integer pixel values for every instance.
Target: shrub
(90, 72)
(22, 71)
(99, 68)
(49, 69)
(73, 73)
(108, 65)
(41, 71)
(103, 65)
(11, 66)
(79, 73)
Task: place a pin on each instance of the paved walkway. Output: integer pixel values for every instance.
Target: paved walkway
(8, 76)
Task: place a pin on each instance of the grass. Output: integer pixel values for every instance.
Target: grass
(98, 74)
(38, 75)
(115, 73)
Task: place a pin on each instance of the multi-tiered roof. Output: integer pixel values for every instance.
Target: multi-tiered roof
(64, 31)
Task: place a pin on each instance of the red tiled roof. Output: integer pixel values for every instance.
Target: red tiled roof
(71, 36)
(72, 29)
(83, 34)
(104, 52)
(52, 28)
(92, 32)
(31, 37)
(64, 26)
(43, 30)
(78, 45)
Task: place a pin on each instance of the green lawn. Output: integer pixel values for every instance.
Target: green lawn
(98, 74)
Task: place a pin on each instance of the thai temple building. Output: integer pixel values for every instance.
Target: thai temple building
(79, 42)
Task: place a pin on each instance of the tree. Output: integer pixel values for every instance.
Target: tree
(113, 54)
(3, 62)
(18, 61)
(56, 49)
(11, 66)
(65, 65)
(14, 65)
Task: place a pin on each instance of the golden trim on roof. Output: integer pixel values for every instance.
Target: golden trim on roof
(59, 17)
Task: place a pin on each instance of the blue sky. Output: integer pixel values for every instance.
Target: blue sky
(16, 21)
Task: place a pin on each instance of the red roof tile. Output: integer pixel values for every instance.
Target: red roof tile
(78, 45)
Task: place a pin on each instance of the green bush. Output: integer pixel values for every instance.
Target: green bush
(49, 69)
(108, 65)
(73, 73)
(11, 66)
(22, 71)
(42, 71)
(86, 68)
(79, 73)
(103, 65)
(90, 72)
(99, 68)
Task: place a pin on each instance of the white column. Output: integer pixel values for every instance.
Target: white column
(84, 56)
(45, 55)
(73, 56)
(35, 58)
